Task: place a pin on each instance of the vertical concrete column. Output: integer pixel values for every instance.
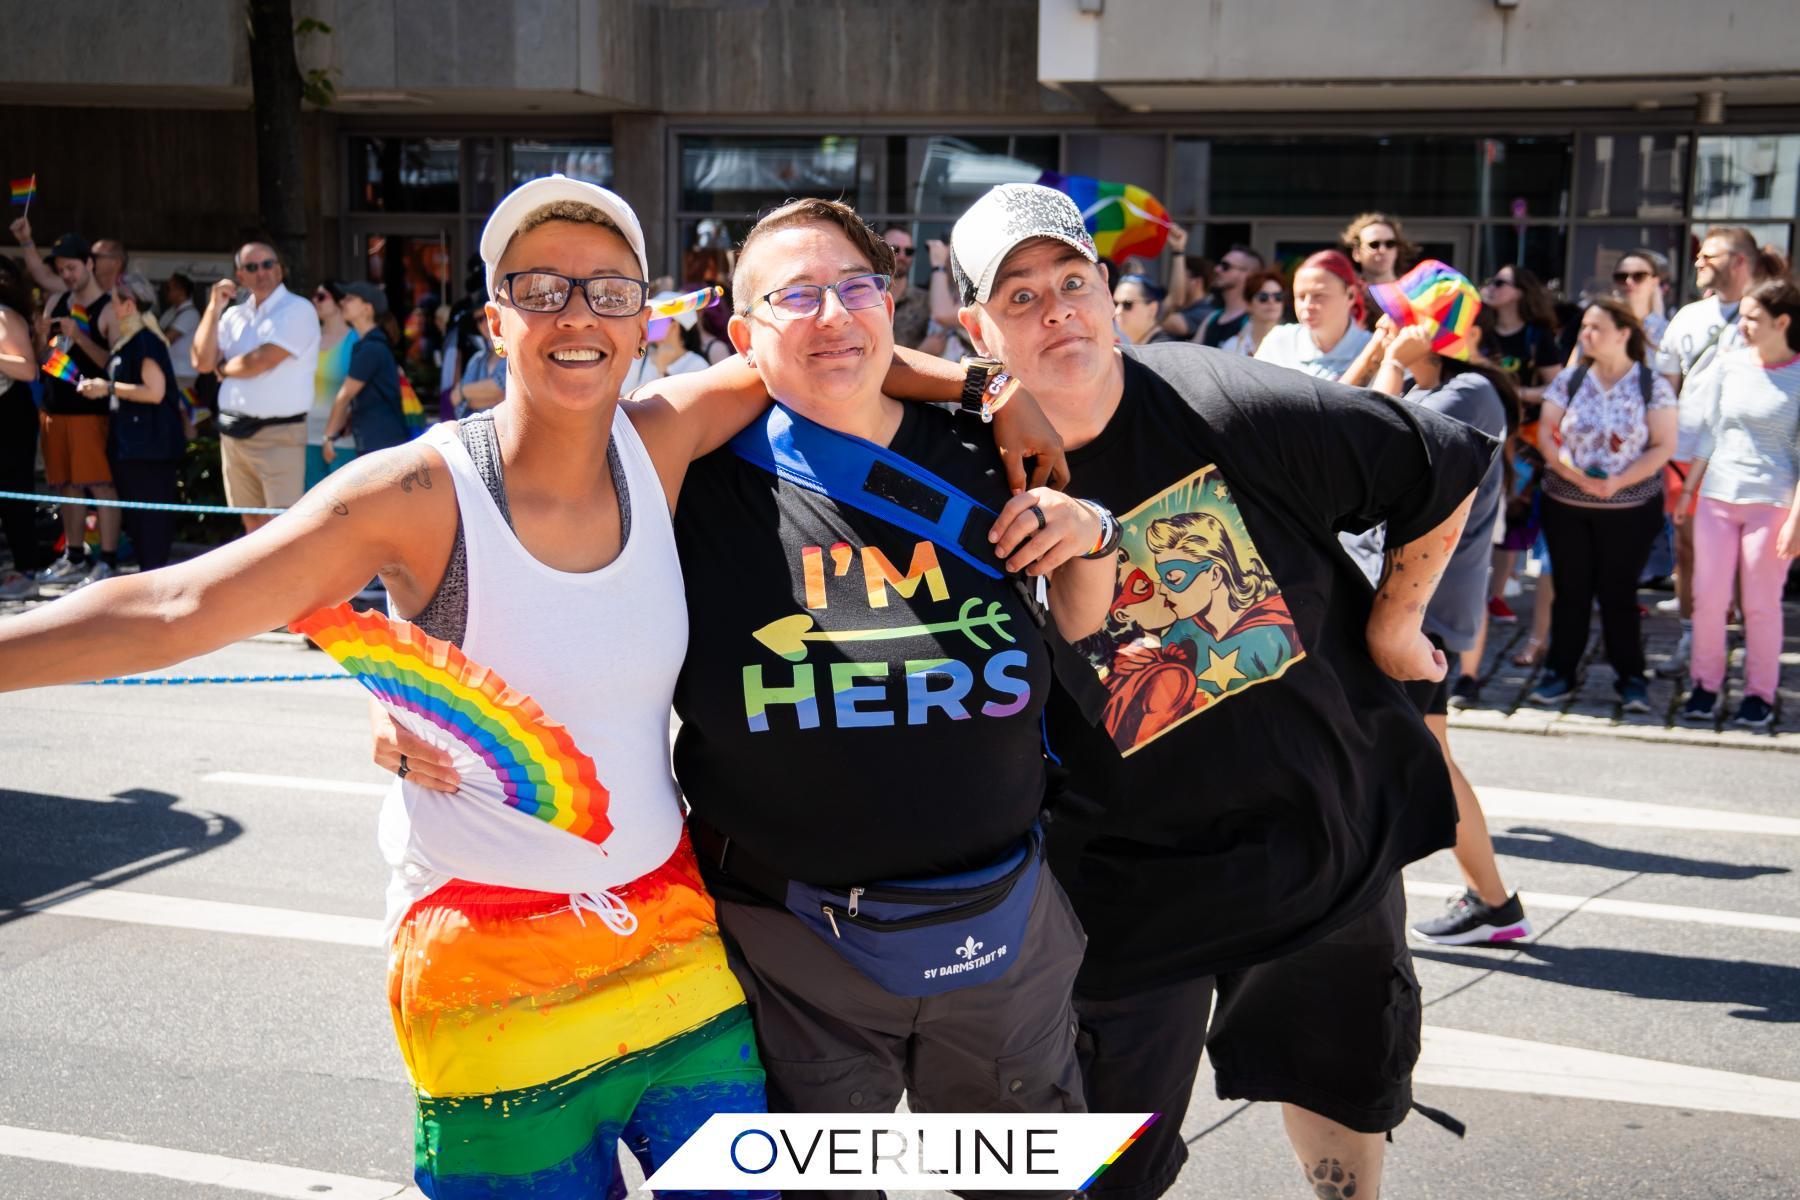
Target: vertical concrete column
(641, 175)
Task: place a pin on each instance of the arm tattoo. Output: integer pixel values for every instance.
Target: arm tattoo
(340, 508)
(420, 474)
(1331, 1180)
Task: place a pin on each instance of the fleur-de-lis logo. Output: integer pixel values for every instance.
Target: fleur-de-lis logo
(969, 949)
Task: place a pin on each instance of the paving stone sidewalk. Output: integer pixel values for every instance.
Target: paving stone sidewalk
(1593, 710)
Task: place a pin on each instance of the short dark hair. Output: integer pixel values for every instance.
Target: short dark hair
(1781, 298)
(1252, 251)
(180, 280)
(809, 211)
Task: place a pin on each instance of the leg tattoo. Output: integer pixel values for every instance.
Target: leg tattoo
(1331, 1181)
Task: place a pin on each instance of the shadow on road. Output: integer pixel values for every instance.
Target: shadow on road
(58, 845)
(1768, 992)
(1524, 841)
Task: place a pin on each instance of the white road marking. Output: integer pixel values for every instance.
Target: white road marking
(1555, 808)
(298, 783)
(187, 1166)
(1629, 908)
(1461, 1058)
(214, 916)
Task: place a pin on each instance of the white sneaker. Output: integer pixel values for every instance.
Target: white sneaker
(1669, 607)
(100, 571)
(1676, 665)
(18, 586)
(63, 570)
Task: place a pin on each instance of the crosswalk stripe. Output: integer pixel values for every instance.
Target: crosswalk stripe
(1554, 807)
(187, 1166)
(213, 916)
(1489, 1062)
(1628, 908)
(298, 783)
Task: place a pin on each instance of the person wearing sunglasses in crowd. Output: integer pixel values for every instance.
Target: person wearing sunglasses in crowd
(1376, 243)
(1137, 310)
(1639, 278)
(367, 405)
(336, 342)
(1747, 517)
(266, 353)
(1268, 304)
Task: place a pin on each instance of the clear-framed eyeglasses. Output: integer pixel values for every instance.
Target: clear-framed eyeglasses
(800, 300)
(548, 292)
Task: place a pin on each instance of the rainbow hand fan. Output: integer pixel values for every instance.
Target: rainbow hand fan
(421, 678)
(687, 302)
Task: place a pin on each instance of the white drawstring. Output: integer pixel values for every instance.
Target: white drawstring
(611, 910)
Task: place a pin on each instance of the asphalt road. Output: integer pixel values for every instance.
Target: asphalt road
(169, 1027)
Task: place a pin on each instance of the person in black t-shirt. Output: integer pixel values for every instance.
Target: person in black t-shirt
(368, 403)
(1260, 775)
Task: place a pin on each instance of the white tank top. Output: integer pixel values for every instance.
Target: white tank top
(598, 651)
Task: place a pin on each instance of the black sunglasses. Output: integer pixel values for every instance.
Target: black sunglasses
(1631, 276)
(902, 251)
(1496, 281)
(267, 264)
(1381, 244)
(1267, 297)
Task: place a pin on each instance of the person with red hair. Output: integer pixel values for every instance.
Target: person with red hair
(1329, 339)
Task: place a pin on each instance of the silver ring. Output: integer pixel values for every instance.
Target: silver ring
(404, 769)
(1037, 512)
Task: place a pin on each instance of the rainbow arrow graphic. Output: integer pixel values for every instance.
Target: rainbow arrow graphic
(788, 636)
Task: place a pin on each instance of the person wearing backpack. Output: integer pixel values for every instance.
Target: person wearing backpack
(1605, 431)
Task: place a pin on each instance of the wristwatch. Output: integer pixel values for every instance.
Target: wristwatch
(984, 386)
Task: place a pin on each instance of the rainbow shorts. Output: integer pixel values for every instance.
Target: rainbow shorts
(537, 1038)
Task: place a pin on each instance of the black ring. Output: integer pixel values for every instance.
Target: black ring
(404, 769)
(1037, 512)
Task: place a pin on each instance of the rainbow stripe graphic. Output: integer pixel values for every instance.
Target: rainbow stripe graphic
(541, 771)
(24, 189)
(688, 302)
(1124, 218)
(61, 366)
(1437, 296)
(1101, 1169)
(78, 313)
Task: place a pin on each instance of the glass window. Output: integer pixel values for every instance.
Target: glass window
(484, 174)
(1598, 250)
(590, 161)
(405, 174)
(1538, 248)
(942, 176)
(1414, 176)
(749, 174)
(1120, 158)
(1633, 174)
(1189, 172)
(1747, 176)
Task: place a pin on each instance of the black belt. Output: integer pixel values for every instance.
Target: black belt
(717, 850)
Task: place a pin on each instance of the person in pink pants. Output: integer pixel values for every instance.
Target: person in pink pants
(1747, 522)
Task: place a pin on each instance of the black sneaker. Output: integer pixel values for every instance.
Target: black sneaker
(1701, 705)
(1466, 921)
(1753, 712)
(1552, 689)
(1465, 692)
(1634, 695)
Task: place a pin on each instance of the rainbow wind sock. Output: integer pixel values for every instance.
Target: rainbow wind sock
(24, 189)
(61, 366)
(1124, 219)
(674, 306)
(426, 682)
(1438, 297)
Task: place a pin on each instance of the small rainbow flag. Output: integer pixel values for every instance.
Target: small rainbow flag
(78, 313)
(61, 366)
(410, 408)
(24, 189)
(688, 302)
(1124, 219)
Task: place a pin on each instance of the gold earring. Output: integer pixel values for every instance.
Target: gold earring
(643, 349)
(500, 347)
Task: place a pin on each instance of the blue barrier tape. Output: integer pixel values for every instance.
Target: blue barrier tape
(219, 509)
(167, 680)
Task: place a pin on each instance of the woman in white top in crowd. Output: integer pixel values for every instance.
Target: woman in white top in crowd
(1265, 294)
(1605, 431)
(1747, 521)
(1638, 279)
(1138, 309)
(1329, 339)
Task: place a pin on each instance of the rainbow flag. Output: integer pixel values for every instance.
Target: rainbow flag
(688, 302)
(410, 408)
(1124, 219)
(24, 189)
(61, 366)
(78, 313)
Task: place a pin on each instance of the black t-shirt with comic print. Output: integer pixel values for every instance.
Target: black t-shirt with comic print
(858, 704)
(1259, 780)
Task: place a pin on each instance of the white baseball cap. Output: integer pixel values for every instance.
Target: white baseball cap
(999, 221)
(533, 194)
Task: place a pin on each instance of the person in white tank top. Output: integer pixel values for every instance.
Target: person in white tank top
(495, 915)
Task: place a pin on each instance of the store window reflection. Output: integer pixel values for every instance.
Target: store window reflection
(589, 161)
(412, 175)
(1633, 174)
(1747, 176)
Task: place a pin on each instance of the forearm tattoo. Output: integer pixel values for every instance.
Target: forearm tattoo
(1331, 1180)
(1410, 573)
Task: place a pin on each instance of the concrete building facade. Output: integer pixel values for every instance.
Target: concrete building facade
(1551, 133)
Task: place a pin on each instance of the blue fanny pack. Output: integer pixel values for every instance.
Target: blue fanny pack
(926, 936)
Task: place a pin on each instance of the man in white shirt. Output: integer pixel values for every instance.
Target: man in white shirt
(1726, 268)
(265, 352)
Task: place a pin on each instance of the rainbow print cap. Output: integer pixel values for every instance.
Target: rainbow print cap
(1439, 297)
